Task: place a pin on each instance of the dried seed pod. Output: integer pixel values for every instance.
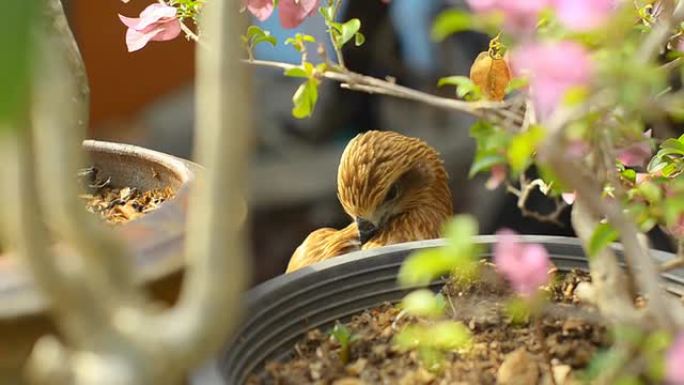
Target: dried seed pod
(491, 74)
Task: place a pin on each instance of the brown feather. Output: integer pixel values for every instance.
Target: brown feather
(324, 244)
(371, 166)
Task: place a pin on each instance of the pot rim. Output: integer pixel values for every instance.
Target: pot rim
(157, 258)
(551, 242)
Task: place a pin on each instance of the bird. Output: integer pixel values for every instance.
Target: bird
(394, 188)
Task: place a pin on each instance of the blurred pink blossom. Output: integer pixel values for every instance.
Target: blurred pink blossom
(520, 16)
(636, 154)
(674, 362)
(553, 69)
(569, 198)
(293, 13)
(582, 15)
(157, 22)
(526, 266)
(498, 176)
(261, 9)
(642, 177)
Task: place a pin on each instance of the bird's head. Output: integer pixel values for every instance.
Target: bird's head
(383, 174)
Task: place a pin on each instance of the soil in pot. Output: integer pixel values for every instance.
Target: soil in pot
(502, 351)
(118, 205)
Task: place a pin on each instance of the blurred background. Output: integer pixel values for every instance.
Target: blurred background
(146, 98)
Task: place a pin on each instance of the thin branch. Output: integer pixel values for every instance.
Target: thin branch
(677, 262)
(523, 194)
(336, 47)
(354, 81)
(189, 33)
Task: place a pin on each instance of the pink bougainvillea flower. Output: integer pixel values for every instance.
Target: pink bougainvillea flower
(583, 15)
(293, 12)
(261, 9)
(525, 266)
(636, 154)
(520, 16)
(483, 6)
(569, 198)
(498, 176)
(642, 177)
(674, 362)
(157, 22)
(553, 69)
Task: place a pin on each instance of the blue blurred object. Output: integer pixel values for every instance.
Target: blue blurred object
(412, 20)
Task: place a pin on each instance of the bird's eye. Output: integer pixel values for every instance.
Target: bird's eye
(392, 193)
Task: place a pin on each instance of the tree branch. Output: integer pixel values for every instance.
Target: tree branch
(523, 194)
(354, 81)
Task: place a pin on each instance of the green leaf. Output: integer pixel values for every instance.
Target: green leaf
(650, 191)
(464, 86)
(296, 72)
(675, 145)
(516, 84)
(444, 335)
(265, 39)
(307, 38)
(255, 31)
(17, 21)
(484, 161)
(629, 174)
(450, 335)
(328, 13)
(348, 30)
(341, 334)
(674, 208)
(359, 39)
(423, 303)
(522, 148)
(305, 99)
(603, 235)
(450, 22)
(460, 232)
(343, 337)
(424, 266)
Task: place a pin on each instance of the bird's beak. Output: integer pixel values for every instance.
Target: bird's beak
(366, 230)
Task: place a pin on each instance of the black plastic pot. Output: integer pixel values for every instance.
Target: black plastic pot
(282, 310)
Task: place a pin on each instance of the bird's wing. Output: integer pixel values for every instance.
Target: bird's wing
(324, 244)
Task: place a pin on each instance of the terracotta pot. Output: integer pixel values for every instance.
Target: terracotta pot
(156, 241)
(282, 310)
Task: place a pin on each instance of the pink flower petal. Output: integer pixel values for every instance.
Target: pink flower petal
(525, 266)
(674, 362)
(553, 69)
(130, 22)
(582, 15)
(569, 198)
(153, 13)
(520, 16)
(136, 40)
(642, 177)
(292, 14)
(156, 22)
(261, 9)
(498, 176)
(169, 30)
(482, 6)
(635, 155)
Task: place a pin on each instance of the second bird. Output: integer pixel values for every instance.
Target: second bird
(395, 190)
